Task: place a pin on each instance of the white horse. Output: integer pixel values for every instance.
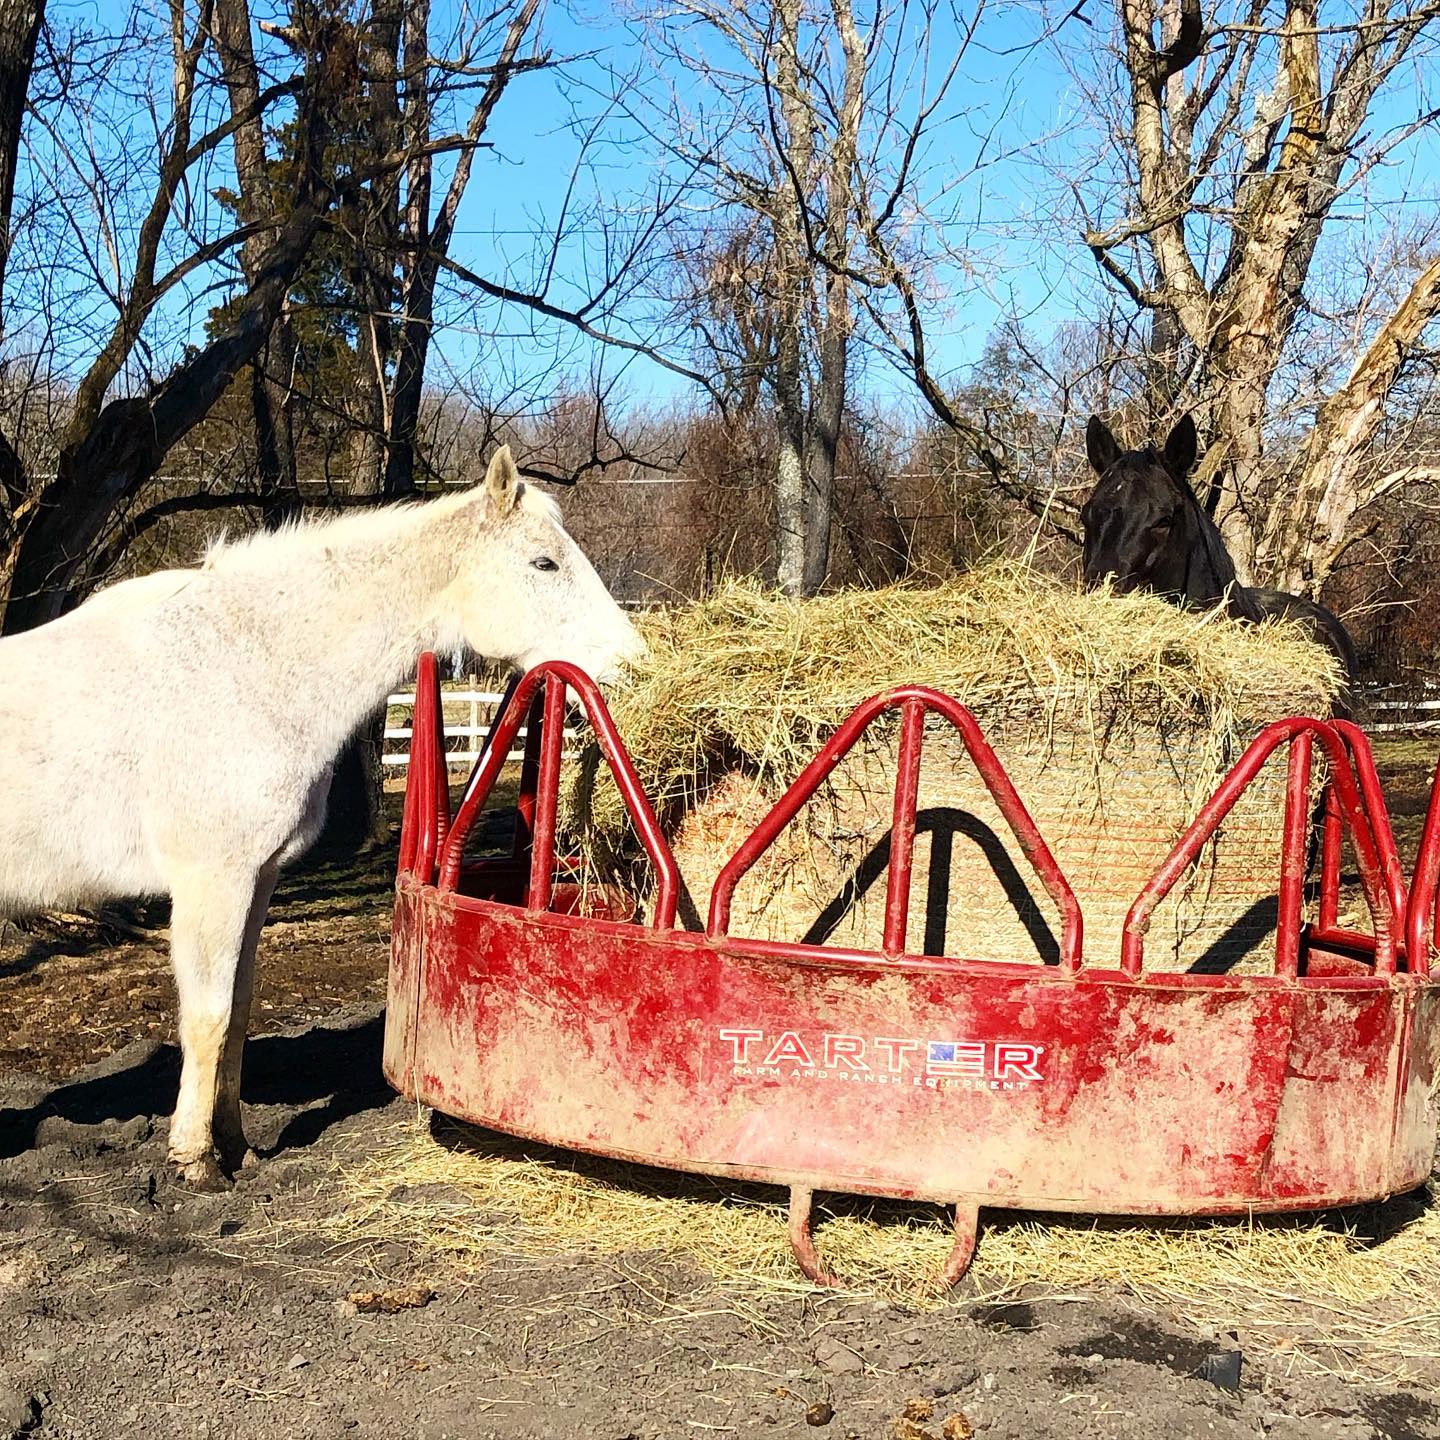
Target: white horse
(175, 734)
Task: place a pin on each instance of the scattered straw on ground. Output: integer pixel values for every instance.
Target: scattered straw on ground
(1355, 1293)
(753, 678)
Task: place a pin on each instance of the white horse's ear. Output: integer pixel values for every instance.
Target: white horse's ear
(502, 481)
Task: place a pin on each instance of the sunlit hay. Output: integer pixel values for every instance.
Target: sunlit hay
(752, 674)
(1115, 715)
(1318, 1285)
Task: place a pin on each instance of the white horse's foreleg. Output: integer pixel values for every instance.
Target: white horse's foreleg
(209, 917)
(230, 1143)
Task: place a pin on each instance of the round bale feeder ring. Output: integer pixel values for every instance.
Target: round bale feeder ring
(522, 1002)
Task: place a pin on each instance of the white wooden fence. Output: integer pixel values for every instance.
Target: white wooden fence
(481, 705)
(1388, 708)
(1400, 708)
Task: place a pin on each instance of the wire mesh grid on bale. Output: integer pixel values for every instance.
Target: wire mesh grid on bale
(1115, 717)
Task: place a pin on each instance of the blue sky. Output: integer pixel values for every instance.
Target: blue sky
(1012, 91)
(1015, 142)
(1017, 106)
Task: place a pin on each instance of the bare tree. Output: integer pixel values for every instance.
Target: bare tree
(1241, 134)
(20, 22)
(111, 446)
(802, 124)
(126, 412)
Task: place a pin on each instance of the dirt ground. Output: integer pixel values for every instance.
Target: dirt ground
(129, 1306)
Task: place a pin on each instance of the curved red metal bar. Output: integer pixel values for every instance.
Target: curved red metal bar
(1300, 734)
(913, 701)
(1422, 929)
(426, 817)
(966, 1228)
(556, 676)
(1362, 759)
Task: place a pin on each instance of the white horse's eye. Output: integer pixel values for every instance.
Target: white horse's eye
(544, 563)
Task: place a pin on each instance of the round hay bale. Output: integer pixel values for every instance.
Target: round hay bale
(1114, 716)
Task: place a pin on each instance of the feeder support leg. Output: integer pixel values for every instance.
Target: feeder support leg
(802, 1242)
(967, 1230)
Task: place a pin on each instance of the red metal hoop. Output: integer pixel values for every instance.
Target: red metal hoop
(540, 783)
(1300, 734)
(913, 702)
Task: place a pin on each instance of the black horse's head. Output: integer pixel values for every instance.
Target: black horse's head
(1144, 528)
(1138, 524)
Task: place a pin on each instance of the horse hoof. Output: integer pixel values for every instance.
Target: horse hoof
(203, 1174)
(237, 1157)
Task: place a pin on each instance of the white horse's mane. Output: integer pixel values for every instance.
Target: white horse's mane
(310, 535)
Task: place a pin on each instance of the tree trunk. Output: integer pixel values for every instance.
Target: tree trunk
(828, 407)
(131, 436)
(270, 374)
(20, 22)
(790, 516)
(1310, 523)
(274, 437)
(1239, 423)
(824, 446)
(791, 195)
(790, 502)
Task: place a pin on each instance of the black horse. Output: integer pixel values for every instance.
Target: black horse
(1146, 530)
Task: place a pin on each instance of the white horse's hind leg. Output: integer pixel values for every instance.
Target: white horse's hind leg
(209, 917)
(230, 1143)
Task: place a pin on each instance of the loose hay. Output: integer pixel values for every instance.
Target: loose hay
(1115, 717)
(1329, 1287)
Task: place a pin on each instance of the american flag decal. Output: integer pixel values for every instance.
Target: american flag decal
(949, 1057)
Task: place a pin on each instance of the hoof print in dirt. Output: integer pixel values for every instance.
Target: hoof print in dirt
(19, 1412)
(388, 1302)
(837, 1358)
(961, 1377)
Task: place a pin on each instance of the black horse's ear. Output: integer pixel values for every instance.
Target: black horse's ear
(1100, 445)
(1180, 447)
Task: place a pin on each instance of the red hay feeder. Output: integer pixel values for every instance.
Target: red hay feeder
(525, 1004)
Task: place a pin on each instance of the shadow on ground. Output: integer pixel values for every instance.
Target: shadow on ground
(327, 1074)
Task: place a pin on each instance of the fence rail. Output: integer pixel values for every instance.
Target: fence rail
(481, 705)
(1419, 707)
(1390, 709)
